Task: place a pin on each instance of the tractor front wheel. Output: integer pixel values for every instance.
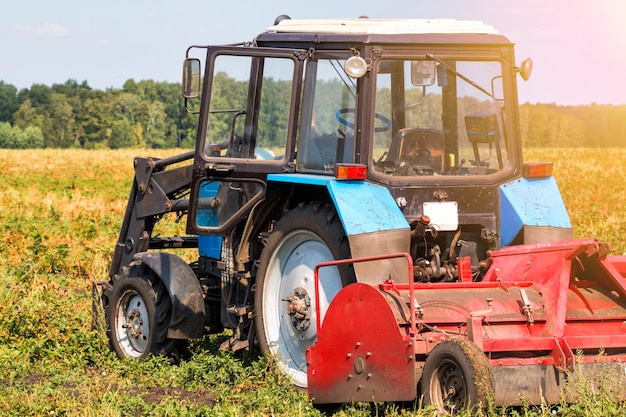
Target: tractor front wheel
(138, 315)
(456, 376)
(285, 289)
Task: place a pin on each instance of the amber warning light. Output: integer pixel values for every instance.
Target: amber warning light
(350, 171)
(538, 169)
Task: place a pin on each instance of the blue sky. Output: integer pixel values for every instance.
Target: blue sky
(578, 46)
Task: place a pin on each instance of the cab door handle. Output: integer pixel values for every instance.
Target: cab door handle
(219, 170)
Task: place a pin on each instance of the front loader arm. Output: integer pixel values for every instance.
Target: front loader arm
(155, 191)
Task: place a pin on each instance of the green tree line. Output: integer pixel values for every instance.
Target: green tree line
(594, 125)
(151, 114)
(74, 115)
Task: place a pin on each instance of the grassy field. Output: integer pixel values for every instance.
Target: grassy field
(60, 213)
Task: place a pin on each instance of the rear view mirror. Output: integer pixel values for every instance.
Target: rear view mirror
(526, 69)
(423, 73)
(191, 78)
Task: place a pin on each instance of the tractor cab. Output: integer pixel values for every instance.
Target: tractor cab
(426, 108)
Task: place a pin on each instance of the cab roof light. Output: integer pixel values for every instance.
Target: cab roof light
(350, 171)
(538, 169)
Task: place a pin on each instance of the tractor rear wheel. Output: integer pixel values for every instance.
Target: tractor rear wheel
(138, 316)
(285, 289)
(456, 376)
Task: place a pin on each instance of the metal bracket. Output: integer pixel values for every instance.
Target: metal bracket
(527, 308)
(376, 53)
(143, 172)
(563, 355)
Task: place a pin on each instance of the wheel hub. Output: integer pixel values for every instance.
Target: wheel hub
(299, 309)
(134, 324)
(453, 387)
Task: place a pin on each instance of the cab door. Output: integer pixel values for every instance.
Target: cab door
(247, 124)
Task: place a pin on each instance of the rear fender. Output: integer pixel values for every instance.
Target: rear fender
(188, 311)
(362, 206)
(371, 219)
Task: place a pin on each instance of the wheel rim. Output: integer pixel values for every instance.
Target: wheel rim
(289, 299)
(448, 387)
(132, 324)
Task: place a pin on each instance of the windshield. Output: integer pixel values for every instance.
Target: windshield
(445, 118)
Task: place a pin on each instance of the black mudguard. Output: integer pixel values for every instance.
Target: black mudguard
(188, 311)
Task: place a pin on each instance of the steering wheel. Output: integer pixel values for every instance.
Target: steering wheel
(339, 116)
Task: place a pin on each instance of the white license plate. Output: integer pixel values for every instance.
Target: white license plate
(443, 214)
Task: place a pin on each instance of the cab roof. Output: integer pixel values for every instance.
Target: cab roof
(324, 33)
(366, 26)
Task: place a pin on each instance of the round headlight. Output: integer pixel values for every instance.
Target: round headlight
(355, 67)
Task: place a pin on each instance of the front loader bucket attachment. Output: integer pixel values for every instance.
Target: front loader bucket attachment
(546, 316)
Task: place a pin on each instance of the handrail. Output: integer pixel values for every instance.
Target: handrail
(366, 259)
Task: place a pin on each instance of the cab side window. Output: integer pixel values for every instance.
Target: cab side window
(249, 107)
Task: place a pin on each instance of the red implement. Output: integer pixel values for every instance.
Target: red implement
(541, 312)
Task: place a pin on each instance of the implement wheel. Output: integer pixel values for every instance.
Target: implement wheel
(456, 376)
(138, 315)
(285, 293)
